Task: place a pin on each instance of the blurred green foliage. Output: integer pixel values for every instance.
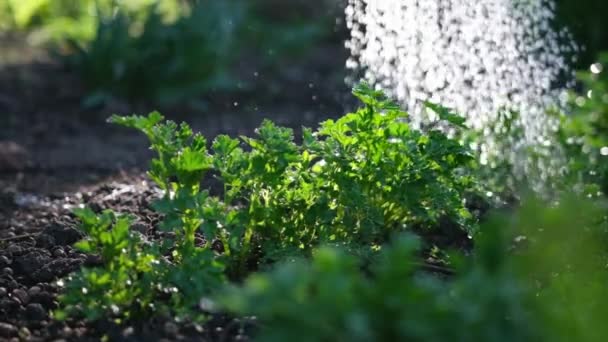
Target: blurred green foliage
(280, 27)
(163, 52)
(583, 131)
(163, 62)
(563, 255)
(332, 299)
(59, 20)
(536, 275)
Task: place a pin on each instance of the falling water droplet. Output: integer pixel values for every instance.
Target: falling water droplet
(477, 56)
(207, 304)
(596, 68)
(115, 309)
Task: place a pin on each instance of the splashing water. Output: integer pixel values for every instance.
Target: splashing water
(479, 57)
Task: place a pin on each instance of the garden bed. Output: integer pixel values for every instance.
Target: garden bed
(56, 155)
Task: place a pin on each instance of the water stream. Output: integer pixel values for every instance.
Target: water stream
(478, 57)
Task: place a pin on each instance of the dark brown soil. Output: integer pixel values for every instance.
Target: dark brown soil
(36, 239)
(55, 155)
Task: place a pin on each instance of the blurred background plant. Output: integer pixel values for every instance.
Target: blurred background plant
(162, 52)
(59, 20)
(280, 27)
(583, 131)
(160, 62)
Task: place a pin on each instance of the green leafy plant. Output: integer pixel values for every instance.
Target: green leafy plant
(350, 188)
(125, 285)
(137, 279)
(179, 168)
(356, 180)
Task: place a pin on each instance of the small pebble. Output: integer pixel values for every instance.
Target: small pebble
(24, 333)
(171, 328)
(44, 298)
(21, 295)
(35, 312)
(7, 271)
(9, 235)
(14, 249)
(20, 309)
(59, 253)
(45, 241)
(67, 331)
(8, 330)
(4, 260)
(3, 292)
(139, 227)
(128, 332)
(34, 290)
(9, 305)
(96, 207)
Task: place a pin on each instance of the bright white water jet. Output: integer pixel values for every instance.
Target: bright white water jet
(478, 57)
